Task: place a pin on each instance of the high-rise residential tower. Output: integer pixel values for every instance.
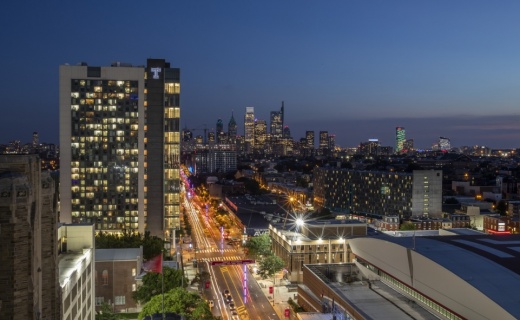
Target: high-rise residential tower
(120, 146)
(400, 138)
(249, 128)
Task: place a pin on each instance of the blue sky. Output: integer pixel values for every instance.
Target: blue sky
(355, 68)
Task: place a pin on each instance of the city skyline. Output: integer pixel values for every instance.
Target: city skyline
(357, 70)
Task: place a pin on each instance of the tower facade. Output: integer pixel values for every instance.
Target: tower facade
(220, 135)
(400, 138)
(249, 127)
(309, 137)
(28, 256)
(120, 146)
(232, 130)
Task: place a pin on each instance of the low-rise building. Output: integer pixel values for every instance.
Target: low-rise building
(76, 270)
(116, 272)
(315, 242)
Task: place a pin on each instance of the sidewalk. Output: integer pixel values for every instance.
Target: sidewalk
(282, 293)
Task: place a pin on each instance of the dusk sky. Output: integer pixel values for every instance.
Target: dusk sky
(356, 69)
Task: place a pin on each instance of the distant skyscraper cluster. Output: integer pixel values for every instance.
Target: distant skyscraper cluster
(260, 138)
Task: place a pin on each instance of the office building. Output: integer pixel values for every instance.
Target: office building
(260, 135)
(286, 132)
(220, 134)
(120, 146)
(232, 130)
(277, 123)
(370, 148)
(379, 193)
(324, 142)
(28, 249)
(444, 144)
(309, 138)
(332, 142)
(249, 128)
(400, 138)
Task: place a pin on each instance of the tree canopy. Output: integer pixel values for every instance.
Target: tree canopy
(152, 245)
(106, 313)
(180, 301)
(258, 246)
(269, 266)
(152, 284)
(407, 226)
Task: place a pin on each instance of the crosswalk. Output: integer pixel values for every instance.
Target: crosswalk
(216, 250)
(228, 258)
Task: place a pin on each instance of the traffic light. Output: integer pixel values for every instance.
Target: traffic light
(207, 284)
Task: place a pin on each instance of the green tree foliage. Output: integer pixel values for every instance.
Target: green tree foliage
(269, 266)
(407, 226)
(152, 284)
(180, 301)
(258, 246)
(201, 277)
(152, 245)
(106, 313)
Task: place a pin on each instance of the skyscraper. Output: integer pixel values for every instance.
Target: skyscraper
(309, 137)
(324, 140)
(220, 135)
(400, 138)
(276, 128)
(260, 134)
(444, 144)
(232, 130)
(249, 128)
(120, 146)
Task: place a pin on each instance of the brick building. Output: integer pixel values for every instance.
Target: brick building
(115, 277)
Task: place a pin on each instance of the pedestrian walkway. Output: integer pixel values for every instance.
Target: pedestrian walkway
(282, 292)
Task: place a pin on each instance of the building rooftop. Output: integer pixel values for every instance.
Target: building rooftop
(376, 301)
(69, 263)
(489, 263)
(120, 254)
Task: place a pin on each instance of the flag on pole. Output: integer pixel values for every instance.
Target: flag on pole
(154, 264)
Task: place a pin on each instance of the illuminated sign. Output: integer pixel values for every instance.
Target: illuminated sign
(155, 72)
(501, 226)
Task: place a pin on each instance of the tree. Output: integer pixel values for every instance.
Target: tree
(180, 301)
(269, 266)
(407, 226)
(152, 245)
(201, 277)
(258, 246)
(501, 207)
(106, 313)
(152, 284)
